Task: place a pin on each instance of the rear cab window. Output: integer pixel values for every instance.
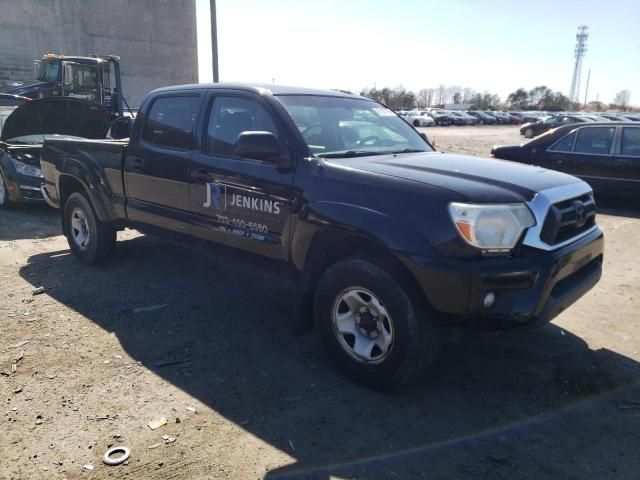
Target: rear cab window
(171, 121)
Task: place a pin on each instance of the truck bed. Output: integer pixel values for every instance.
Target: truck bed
(92, 162)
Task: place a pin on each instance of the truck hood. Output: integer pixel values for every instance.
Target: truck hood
(20, 88)
(478, 179)
(57, 116)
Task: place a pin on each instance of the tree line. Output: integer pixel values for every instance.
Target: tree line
(538, 98)
(399, 97)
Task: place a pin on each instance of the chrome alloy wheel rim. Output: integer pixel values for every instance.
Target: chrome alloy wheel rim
(362, 325)
(80, 228)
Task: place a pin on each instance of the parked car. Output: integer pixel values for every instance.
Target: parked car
(24, 131)
(441, 119)
(417, 119)
(613, 117)
(482, 117)
(530, 130)
(471, 120)
(594, 117)
(525, 117)
(456, 119)
(631, 117)
(513, 118)
(384, 237)
(606, 155)
(500, 118)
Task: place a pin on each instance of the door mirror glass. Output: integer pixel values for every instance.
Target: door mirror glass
(257, 145)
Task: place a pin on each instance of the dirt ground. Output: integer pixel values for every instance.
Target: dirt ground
(162, 331)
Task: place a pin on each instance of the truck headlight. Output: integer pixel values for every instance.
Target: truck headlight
(493, 228)
(26, 169)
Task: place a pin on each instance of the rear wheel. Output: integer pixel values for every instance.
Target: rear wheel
(370, 325)
(91, 240)
(528, 133)
(416, 123)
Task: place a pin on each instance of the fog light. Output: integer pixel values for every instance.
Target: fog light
(489, 298)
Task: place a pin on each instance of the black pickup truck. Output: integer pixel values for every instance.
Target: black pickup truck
(388, 239)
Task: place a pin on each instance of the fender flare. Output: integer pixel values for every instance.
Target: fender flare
(92, 183)
(373, 225)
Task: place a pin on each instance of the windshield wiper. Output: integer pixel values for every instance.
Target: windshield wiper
(409, 150)
(351, 154)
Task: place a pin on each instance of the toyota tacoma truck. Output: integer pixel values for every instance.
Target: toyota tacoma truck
(387, 239)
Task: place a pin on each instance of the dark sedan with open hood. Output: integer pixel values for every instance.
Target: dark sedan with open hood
(24, 131)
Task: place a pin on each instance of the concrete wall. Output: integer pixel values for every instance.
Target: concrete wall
(156, 39)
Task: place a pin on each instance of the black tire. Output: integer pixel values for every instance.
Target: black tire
(416, 123)
(101, 236)
(528, 133)
(415, 339)
(4, 194)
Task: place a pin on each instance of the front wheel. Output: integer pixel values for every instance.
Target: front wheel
(372, 327)
(90, 240)
(528, 133)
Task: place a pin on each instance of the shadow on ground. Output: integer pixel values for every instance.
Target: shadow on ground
(491, 406)
(35, 221)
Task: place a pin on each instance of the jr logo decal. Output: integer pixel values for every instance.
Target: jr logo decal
(214, 192)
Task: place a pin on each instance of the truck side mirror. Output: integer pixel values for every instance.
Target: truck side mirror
(260, 146)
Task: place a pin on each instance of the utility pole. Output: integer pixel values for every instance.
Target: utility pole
(579, 52)
(586, 92)
(214, 41)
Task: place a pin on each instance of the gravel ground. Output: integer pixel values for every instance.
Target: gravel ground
(164, 332)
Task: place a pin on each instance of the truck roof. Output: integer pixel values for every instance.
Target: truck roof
(261, 88)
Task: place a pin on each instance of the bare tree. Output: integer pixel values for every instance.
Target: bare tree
(441, 94)
(467, 95)
(623, 97)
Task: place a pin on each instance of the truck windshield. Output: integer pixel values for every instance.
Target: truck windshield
(48, 71)
(339, 127)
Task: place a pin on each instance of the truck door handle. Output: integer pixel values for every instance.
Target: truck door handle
(201, 175)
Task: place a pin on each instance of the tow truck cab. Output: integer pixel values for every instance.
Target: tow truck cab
(95, 78)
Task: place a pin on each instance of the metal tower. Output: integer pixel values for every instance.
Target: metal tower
(580, 50)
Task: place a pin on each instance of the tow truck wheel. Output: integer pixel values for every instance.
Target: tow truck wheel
(371, 327)
(528, 133)
(90, 240)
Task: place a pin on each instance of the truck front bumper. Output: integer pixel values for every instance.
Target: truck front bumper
(531, 287)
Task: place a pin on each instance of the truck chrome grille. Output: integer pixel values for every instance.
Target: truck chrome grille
(563, 215)
(568, 219)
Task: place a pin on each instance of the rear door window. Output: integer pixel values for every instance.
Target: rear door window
(630, 144)
(171, 120)
(594, 140)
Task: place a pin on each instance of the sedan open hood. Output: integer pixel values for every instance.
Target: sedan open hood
(56, 115)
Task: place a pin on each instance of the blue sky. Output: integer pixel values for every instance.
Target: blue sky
(487, 45)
